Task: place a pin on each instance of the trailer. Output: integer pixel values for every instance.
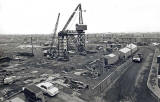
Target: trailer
(110, 59)
(133, 47)
(124, 53)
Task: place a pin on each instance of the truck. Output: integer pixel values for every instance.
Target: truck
(138, 58)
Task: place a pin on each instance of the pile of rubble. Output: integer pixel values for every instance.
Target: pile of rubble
(74, 84)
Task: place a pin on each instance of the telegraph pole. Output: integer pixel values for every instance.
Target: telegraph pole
(32, 45)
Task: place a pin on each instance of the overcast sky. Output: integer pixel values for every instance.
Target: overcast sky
(39, 16)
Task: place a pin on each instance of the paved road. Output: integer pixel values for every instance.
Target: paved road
(132, 86)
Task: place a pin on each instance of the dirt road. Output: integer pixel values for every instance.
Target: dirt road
(132, 86)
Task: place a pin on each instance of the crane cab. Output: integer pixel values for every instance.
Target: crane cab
(81, 27)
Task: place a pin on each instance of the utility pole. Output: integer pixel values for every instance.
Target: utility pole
(32, 45)
(103, 37)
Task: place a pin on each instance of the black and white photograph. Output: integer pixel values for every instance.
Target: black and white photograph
(79, 51)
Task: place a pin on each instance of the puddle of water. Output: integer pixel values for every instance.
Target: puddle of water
(27, 46)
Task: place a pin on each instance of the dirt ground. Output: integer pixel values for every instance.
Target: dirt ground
(32, 70)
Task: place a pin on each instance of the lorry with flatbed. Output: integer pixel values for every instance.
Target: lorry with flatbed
(138, 58)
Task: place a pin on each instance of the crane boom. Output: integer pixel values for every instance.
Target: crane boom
(55, 30)
(70, 18)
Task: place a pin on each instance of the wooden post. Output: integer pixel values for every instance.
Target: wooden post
(32, 45)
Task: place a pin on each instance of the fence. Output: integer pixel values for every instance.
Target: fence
(109, 80)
